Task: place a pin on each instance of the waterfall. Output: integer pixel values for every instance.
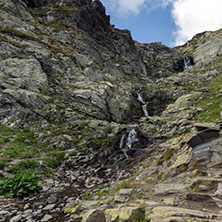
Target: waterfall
(121, 144)
(145, 110)
(126, 143)
(187, 63)
(140, 99)
(132, 137)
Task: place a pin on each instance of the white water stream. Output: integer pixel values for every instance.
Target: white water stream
(132, 137)
(144, 106)
(187, 63)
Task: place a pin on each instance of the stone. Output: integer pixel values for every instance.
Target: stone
(51, 199)
(24, 73)
(125, 192)
(16, 218)
(122, 214)
(47, 217)
(183, 157)
(120, 199)
(170, 188)
(49, 207)
(218, 192)
(27, 213)
(94, 215)
(2, 212)
(175, 214)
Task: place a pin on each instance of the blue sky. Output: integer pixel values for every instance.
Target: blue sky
(154, 26)
(172, 22)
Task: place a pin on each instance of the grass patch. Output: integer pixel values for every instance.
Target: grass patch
(25, 164)
(99, 187)
(123, 185)
(211, 101)
(20, 150)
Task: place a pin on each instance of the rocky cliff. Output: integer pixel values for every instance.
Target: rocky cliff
(82, 103)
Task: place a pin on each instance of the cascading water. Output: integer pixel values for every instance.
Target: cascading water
(187, 63)
(121, 144)
(140, 99)
(132, 137)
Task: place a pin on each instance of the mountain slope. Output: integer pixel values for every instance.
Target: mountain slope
(75, 92)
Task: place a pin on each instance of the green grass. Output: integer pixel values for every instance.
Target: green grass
(211, 101)
(24, 165)
(20, 150)
(123, 185)
(99, 187)
(22, 146)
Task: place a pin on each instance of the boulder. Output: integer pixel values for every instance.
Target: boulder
(126, 214)
(175, 214)
(94, 215)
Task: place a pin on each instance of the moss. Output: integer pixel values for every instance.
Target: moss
(168, 154)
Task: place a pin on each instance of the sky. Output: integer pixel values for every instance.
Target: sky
(172, 22)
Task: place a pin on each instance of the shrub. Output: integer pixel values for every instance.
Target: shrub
(22, 184)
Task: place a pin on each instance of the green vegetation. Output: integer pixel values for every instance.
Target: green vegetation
(27, 153)
(211, 101)
(25, 164)
(20, 185)
(23, 35)
(99, 187)
(168, 154)
(141, 216)
(122, 185)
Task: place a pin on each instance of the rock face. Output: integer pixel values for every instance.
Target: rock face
(96, 76)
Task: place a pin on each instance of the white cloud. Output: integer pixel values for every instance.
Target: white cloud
(190, 16)
(194, 16)
(125, 7)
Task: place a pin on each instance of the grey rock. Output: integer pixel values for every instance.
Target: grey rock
(49, 207)
(51, 199)
(16, 218)
(47, 217)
